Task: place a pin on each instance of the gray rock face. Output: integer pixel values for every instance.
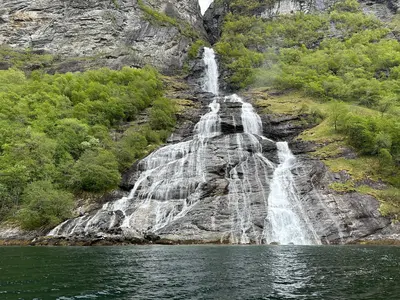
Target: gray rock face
(116, 32)
(210, 188)
(213, 19)
(337, 218)
(382, 9)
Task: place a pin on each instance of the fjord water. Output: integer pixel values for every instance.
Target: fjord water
(200, 272)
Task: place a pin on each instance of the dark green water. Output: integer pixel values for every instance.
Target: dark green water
(200, 272)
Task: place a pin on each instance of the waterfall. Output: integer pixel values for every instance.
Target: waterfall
(204, 5)
(251, 120)
(209, 124)
(169, 185)
(286, 221)
(210, 80)
(216, 186)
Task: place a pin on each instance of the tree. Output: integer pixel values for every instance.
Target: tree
(360, 136)
(44, 205)
(385, 105)
(70, 133)
(337, 112)
(95, 171)
(385, 161)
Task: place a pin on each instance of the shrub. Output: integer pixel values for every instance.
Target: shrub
(44, 205)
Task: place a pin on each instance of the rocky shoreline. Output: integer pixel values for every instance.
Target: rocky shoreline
(74, 242)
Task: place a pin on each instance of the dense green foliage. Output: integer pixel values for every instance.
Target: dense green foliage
(44, 205)
(373, 135)
(55, 136)
(195, 47)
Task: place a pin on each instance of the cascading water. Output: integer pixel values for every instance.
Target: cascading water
(286, 221)
(210, 80)
(218, 186)
(204, 5)
(169, 185)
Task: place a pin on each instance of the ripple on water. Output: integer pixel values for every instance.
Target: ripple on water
(201, 272)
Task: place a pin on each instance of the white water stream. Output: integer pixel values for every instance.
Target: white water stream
(204, 5)
(210, 79)
(286, 220)
(172, 178)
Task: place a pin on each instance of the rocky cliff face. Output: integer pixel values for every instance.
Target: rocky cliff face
(338, 217)
(115, 32)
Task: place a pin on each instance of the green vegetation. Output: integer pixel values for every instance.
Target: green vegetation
(24, 59)
(154, 15)
(195, 47)
(115, 2)
(325, 55)
(65, 134)
(44, 205)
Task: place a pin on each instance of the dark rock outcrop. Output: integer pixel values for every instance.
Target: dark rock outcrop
(213, 20)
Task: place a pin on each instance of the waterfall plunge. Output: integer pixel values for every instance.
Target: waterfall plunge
(286, 221)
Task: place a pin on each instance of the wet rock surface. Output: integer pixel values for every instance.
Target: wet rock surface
(190, 209)
(283, 127)
(212, 187)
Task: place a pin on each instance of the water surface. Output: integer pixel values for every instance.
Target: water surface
(200, 272)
